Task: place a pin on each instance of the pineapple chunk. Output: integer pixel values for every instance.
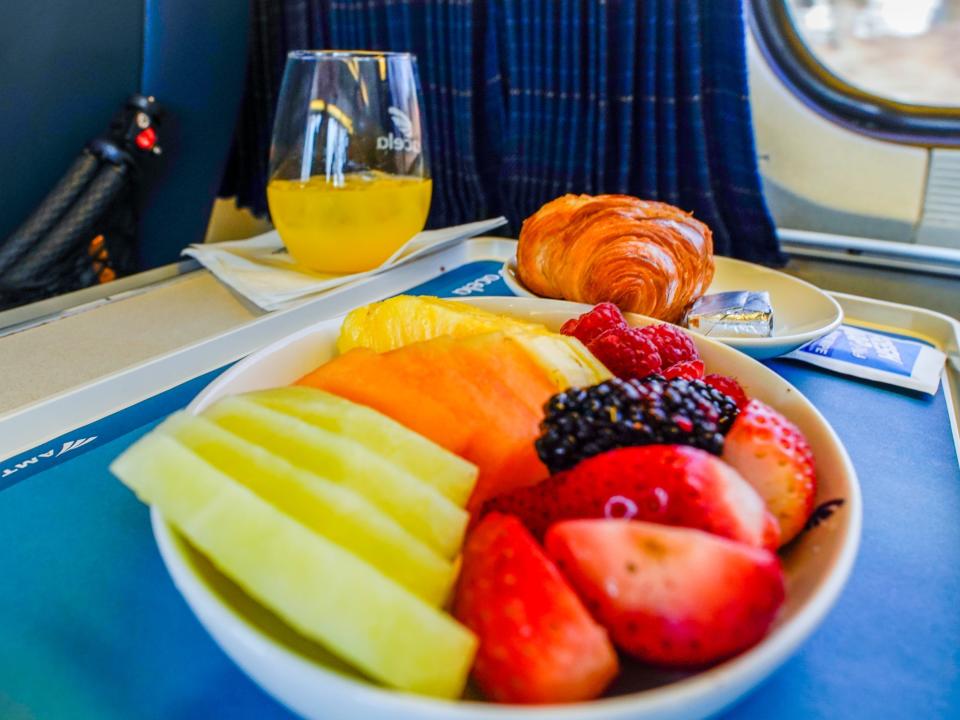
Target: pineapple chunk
(453, 476)
(332, 510)
(320, 589)
(565, 359)
(415, 505)
(405, 319)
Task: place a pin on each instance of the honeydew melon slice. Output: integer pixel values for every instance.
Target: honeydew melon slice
(453, 476)
(336, 512)
(320, 589)
(417, 507)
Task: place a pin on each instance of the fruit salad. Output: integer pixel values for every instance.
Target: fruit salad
(459, 496)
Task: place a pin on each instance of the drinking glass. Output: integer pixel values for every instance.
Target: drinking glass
(349, 179)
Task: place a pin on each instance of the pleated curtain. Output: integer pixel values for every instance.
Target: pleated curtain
(529, 99)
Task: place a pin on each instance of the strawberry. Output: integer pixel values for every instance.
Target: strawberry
(729, 387)
(672, 343)
(667, 484)
(538, 644)
(689, 369)
(773, 455)
(626, 352)
(592, 324)
(669, 596)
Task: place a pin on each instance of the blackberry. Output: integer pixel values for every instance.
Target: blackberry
(583, 422)
(726, 405)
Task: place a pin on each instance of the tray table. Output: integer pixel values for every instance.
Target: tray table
(92, 627)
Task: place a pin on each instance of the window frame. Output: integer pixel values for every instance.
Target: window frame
(832, 97)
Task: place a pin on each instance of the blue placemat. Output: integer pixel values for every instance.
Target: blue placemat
(92, 627)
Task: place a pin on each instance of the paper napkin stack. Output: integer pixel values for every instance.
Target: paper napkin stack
(261, 270)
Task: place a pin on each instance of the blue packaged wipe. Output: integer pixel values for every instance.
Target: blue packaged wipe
(876, 356)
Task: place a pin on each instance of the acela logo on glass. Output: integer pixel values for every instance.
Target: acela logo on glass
(403, 141)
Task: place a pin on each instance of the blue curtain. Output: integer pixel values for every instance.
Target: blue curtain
(529, 99)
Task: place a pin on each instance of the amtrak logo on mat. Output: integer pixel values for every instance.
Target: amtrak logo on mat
(404, 140)
(65, 447)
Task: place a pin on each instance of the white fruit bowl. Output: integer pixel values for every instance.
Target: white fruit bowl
(801, 312)
(303, 676)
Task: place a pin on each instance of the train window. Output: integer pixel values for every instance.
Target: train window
(904, 50)
(887, 67)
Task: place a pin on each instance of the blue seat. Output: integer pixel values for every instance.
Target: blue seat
(67, 67)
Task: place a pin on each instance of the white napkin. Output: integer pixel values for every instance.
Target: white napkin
(263, 272)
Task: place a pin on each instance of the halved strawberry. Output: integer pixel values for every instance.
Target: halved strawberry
(538, 644)
(667, 484)
(669, 596)
(772, 454)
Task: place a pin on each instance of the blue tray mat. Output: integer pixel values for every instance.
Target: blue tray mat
(92, 627)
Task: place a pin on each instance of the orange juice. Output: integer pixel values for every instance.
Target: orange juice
(349, 228)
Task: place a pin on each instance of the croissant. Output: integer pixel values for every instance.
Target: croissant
(646, 257)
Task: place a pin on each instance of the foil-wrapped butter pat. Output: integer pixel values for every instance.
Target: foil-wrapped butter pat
(739, 313)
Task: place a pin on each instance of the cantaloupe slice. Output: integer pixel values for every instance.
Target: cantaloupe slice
(319, 588)
(510, 366)
(330, 509)
(480, 397)
(418, 507)
(453, 476)
(363, 377)
(506, 426)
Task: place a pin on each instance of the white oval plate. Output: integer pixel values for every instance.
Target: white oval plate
(801, 312)
(300, 674)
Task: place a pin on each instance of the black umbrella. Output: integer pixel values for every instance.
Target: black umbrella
(84, 230)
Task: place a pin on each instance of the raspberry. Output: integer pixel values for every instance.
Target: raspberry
(689, 369)
(626, 352)
(729, 387)
(593, 324)
(672, 343)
